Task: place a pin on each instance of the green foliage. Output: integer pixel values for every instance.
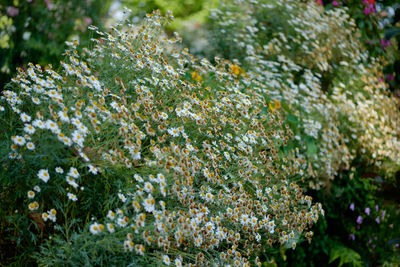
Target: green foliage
(36, 31)
(345, 256)
(185, 11)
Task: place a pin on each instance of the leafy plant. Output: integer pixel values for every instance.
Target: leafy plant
(346, 256)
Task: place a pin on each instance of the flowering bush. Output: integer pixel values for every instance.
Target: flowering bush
(303, 54)
(137, 152)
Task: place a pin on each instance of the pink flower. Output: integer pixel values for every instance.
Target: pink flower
(320, 2)
(89, 20)
(12, 11)
(49, 4)
(335, 3)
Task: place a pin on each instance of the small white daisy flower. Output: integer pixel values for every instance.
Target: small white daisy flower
(30, 146)
(44, 175)
(72, 197)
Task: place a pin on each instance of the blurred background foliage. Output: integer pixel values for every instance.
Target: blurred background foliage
(185, 11)
(36, 30)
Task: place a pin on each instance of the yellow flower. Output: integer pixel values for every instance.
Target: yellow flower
(196, 76)
(235, 69)
(276, 105)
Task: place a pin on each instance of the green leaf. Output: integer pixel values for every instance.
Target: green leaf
(311, 146)
(345, 255)
(293, 120)
(389, 33)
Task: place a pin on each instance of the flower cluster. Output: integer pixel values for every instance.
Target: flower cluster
(373, 118)
(302, 54)
(204, 173)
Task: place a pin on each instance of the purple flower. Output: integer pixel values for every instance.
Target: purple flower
(367, 10)
(12, 11)
(390, 77)
(352, 237)
(367, 211)
(383, 215)
(377, 220)
(386, 43)
(376, 208)
(352, 206)
(359, 219)
(335, 3)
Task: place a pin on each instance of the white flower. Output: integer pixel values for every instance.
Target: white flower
(52, 126)
(148, 203)
(148, 187)
(36, 100)
(174, 132)
(67, 141)
(94, 228)
(245, 219)
(71, 182)
(111, 215)
(33, 206)
(138, 178)
(122, 197)
(52, 214)
(72, 197)
(209, 197)
(121, 222)
(31, 194)
(160, 177)
(30, 146)
(44, 175)
(39, 124)
(110, 227)
(178, 263)
(77, 137)
(29, 129)
(73, 172)
(59, 170)
(164, 116)
(63, 116)
(36, 188)
(18, 140)
(166, 259)
(258, 237)
(227, 156)
(25, 117)
(93, 169)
